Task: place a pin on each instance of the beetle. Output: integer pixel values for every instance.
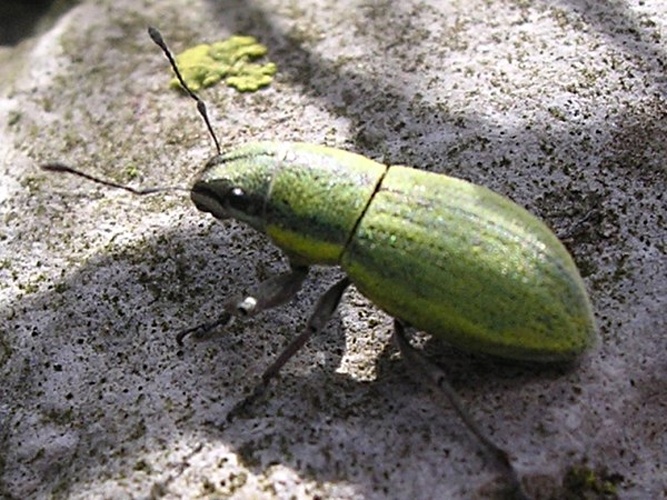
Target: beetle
(437, 253)
(448, 257)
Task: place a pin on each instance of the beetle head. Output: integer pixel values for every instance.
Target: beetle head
(236, 185)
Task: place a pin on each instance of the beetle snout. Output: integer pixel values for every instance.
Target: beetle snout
(207, 200)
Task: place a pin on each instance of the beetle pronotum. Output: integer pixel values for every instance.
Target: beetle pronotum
(440, 254)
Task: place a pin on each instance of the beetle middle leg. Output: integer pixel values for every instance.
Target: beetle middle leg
(324, 309)
(270, 293)
(433, 376)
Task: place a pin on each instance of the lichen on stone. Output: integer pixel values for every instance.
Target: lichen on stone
(232, 60)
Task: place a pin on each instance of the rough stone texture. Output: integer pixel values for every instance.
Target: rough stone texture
(559, 105)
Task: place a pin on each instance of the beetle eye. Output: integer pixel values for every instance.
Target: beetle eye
(238, 201)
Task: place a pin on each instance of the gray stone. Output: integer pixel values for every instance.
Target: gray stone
(558, 105)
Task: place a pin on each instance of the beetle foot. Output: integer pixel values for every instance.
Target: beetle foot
(206, 330)
(241, 408)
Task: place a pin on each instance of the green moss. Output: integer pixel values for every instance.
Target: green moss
(13, 118)
(231, 60)
(5, 354)
(584, 482)
(132, 171)
(557, 113)
(143, 466)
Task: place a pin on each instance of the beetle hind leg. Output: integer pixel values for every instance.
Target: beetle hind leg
(270, 293)
(432, 375)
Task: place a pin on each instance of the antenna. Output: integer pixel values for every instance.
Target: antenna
(156, 36)
(59, 167)
(201, 107)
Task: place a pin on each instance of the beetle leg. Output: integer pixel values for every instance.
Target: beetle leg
(431, 374)
(270, 293)
(324, 309)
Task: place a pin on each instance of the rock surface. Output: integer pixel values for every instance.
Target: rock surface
(561, 106)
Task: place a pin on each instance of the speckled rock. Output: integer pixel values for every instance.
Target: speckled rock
(559, 105)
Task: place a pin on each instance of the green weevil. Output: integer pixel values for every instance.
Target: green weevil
(448, 257)
(440, 254)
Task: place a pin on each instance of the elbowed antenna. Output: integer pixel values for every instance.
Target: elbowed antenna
(59, 167)
(201, 107)
(156, 36)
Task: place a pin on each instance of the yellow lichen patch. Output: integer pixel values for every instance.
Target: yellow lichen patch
(232, 60)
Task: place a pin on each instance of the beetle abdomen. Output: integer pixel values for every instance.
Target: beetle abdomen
(469, 266)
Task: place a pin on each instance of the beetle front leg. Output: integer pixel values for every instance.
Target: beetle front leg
(270, 293)
(436, 378)
(324, 309)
